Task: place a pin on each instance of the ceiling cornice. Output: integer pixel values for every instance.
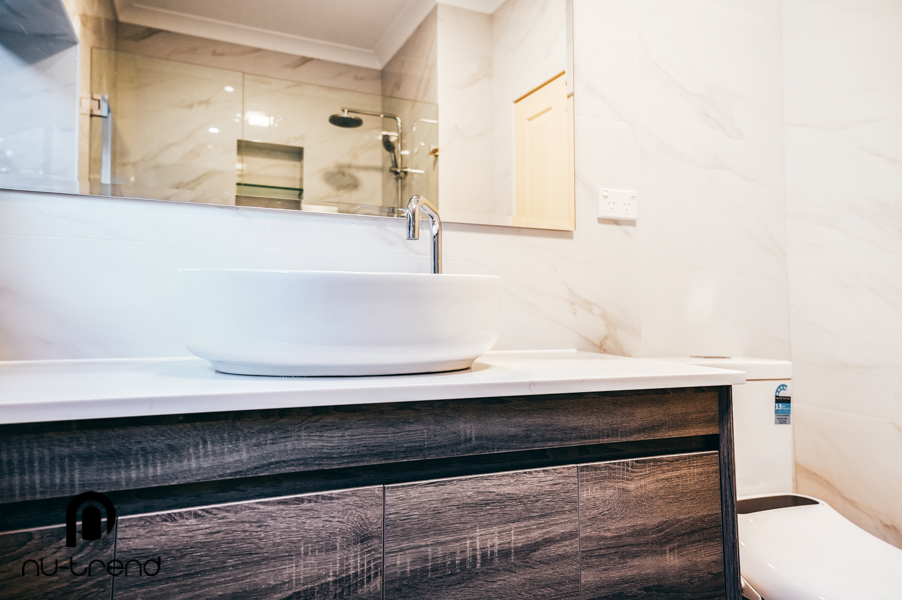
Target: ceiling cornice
(406, 23)
(130, 12)
(408, 19)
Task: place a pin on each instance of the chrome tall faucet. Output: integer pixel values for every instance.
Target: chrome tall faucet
(415, 206)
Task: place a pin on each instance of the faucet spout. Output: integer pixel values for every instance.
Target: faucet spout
(415, 207)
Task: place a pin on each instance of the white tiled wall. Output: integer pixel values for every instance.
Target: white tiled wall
(38, 108)
(682, 101)
(94, 277)
(665, 105)
(173, 124)
(464, 82)
(843, 80)
(410, 74)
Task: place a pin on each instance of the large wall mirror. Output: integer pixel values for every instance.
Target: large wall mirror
(347, 106)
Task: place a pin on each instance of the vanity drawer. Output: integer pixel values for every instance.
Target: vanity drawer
(325, 545)
(501, 536)
(651, 528)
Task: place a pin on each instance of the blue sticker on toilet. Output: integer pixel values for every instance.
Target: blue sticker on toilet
(783, 404)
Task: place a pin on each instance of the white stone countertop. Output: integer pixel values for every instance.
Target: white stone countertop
(61, 390)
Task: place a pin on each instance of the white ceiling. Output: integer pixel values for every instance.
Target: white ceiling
(365, 33)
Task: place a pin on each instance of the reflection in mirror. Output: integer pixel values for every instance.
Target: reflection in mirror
(506, 122)
(347, 106)
(267, 141)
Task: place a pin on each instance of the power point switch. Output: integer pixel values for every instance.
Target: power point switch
(618, 205)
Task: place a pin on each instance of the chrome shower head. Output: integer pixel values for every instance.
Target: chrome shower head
(388, 143)
(390, 147)
(345, 121)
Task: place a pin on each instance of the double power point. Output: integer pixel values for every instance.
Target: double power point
(618, 205)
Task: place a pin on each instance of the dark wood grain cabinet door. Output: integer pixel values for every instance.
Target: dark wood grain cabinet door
(36, 563)
(651, 528)
(509, 535)
(312, 546)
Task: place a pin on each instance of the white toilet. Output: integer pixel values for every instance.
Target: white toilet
(793, 547)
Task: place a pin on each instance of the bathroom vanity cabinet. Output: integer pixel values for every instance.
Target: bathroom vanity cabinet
(594, 495)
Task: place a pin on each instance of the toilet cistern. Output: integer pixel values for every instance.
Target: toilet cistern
(415, 206)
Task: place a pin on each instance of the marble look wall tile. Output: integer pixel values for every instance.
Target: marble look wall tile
(340, 165)
(711, 202)
(862, 321)
(322, 232)
(852, 463)
(868, 390)
(593, 242)
(411, 72)
(466, 167)
(712, 67)
(713, 312)
(39, 118)
(842, 198)
(843, 63)
(255, 61)
(607, 153)
(843, 75)
(510, 243)
(847, 340)
(59, 215)
(69, 298)
(277, 258)
(529, 46)
(562, 305)
(606, 39)
(174, 125)
(418, 120)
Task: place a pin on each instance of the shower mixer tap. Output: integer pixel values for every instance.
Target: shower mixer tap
(394, 147)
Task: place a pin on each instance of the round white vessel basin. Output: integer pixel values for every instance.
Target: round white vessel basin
(327, 323)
